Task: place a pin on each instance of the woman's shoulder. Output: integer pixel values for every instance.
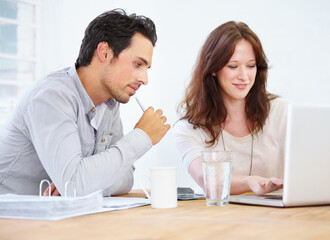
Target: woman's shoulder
(279, 102)
(278, 112)
(279, 105)
(183, 126)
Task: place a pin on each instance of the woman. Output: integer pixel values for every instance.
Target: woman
(227, 107)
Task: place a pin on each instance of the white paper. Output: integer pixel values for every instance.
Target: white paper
(57, 208)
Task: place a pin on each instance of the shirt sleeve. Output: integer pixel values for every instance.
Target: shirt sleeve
(51, 123)
(189, 141)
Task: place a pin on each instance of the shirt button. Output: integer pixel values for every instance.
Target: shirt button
(93, 110)
(102, 139)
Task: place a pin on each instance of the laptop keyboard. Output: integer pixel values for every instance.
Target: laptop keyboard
(277, 197)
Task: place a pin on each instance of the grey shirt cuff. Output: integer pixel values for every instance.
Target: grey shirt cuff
(136, 142)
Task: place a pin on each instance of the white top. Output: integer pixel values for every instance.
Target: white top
(99, 112)
(268, 145)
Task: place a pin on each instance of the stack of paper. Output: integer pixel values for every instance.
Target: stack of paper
(57, 207)
(54, 207)
(118, 203)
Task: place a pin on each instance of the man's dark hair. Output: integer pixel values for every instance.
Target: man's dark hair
(117, 29)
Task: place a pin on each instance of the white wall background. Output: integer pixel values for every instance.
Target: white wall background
(295, 35)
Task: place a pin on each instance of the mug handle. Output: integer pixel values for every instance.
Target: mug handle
(143, 188)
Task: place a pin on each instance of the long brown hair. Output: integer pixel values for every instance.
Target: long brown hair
(203, 104)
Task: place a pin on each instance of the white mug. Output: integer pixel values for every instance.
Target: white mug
(163, 187)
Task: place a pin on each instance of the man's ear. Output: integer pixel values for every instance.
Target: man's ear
(104, 52)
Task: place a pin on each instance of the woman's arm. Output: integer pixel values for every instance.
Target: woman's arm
(239, 184)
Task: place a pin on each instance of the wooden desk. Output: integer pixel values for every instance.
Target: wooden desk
(190, 220)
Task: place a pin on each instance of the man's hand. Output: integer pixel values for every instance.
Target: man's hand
(153, 124)
(260, 185)
(53, 191)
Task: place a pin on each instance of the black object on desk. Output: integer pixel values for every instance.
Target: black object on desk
(188, 194)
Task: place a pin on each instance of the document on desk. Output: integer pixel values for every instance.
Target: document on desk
(57, 207)
(118, 203)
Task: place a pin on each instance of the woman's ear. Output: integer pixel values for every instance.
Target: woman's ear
(214, 74)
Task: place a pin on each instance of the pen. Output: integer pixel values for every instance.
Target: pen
(140, 104)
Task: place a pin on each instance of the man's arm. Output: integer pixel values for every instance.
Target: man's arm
(52, 125)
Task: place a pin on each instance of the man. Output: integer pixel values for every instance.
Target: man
(67, 127)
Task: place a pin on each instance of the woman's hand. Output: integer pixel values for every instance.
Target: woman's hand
(261, 185)
(239, 183)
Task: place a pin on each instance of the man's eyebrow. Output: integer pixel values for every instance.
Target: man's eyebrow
(144, 61)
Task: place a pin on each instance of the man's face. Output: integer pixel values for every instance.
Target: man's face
(125, 74)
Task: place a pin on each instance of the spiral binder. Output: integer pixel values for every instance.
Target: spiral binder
(49, 207)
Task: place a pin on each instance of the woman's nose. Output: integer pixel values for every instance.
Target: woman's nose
(242, 74)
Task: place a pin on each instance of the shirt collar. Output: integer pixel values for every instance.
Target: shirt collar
(86, 100)
(88, 104)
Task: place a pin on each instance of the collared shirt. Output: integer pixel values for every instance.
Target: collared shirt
(99, 111)
(50, 136)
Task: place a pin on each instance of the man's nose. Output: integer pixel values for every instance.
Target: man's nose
(143, 78)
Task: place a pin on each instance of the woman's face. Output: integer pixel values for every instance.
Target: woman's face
(237, 77)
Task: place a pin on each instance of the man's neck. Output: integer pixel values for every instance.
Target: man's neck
(89, 79)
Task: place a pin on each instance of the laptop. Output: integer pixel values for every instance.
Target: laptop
(307, 161)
